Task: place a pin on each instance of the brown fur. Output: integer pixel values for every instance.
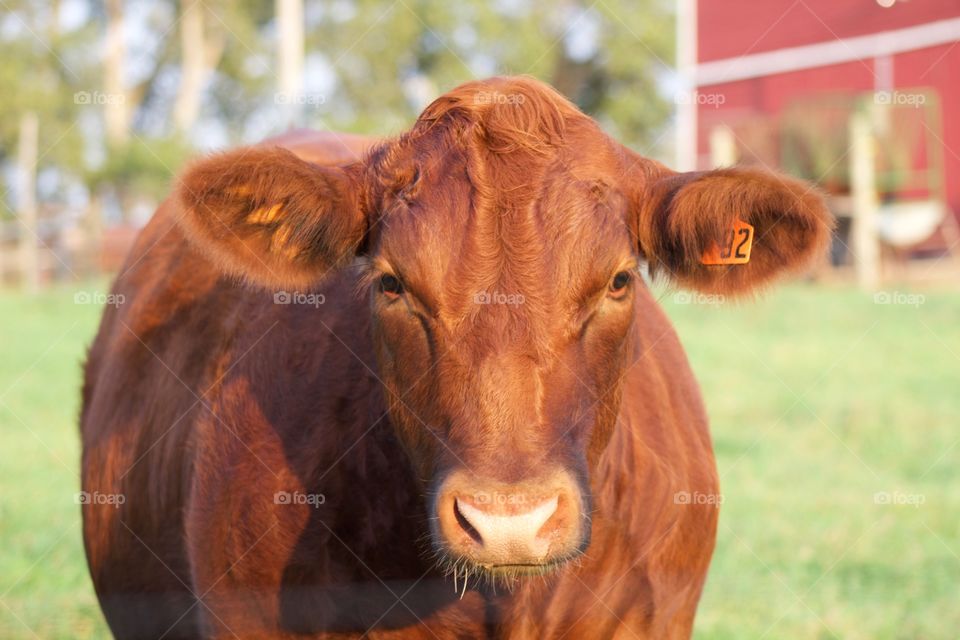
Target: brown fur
(202, 398)
(682, 213)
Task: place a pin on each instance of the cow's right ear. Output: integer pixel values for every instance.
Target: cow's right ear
(727, 231)
(270, 217)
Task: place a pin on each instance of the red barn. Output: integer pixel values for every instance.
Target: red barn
(766, 66)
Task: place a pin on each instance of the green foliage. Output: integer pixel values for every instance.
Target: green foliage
(375, 48)
(141, 167)
(815, 139)
(40, 71)
(382, 62)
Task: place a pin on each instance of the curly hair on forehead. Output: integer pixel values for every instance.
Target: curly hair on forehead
(508, 114)
(507, 127)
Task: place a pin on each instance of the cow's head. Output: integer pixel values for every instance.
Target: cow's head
(500, 239)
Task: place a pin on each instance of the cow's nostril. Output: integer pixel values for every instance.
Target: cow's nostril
(513, 534)
(465, 524)
(501, 526)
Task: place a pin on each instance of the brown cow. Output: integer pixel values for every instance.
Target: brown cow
(441, 404)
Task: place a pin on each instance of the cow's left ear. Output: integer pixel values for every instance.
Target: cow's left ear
(690, 227)
(270, 217)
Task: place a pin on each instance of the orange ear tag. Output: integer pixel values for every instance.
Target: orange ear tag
(737, 242)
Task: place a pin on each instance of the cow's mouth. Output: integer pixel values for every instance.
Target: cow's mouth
(467, 573)
(525, 569)
(503, 563)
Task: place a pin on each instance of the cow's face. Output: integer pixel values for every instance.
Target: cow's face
(500, 241)
(502, 288)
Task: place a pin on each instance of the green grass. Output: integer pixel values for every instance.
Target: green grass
(45, 590)
(819, 400)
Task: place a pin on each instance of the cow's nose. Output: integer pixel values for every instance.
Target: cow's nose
(514, 538)
(494, 524)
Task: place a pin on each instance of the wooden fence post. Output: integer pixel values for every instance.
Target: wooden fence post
(290, 37)
(723, 147)
(866, 245)
(29, 248)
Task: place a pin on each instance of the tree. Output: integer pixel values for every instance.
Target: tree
(290, 59)
(123, 95)
(201, 47)
(607, 56)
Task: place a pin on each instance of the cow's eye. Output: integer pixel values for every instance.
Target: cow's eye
(618, 286)
(390, 286)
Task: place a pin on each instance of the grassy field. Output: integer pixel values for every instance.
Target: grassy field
(836, 423)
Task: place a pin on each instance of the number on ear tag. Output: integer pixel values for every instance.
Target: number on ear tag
(735, 249)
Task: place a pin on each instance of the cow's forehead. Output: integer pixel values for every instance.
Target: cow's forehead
(453, 240)
(500, 196)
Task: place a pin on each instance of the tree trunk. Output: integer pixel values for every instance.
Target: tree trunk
(290, 60)
(116, 109)
(27, 202)
(192, 66)
(866, 244)
(200, 53)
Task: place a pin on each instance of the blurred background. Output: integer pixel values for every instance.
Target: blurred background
(833, 401)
